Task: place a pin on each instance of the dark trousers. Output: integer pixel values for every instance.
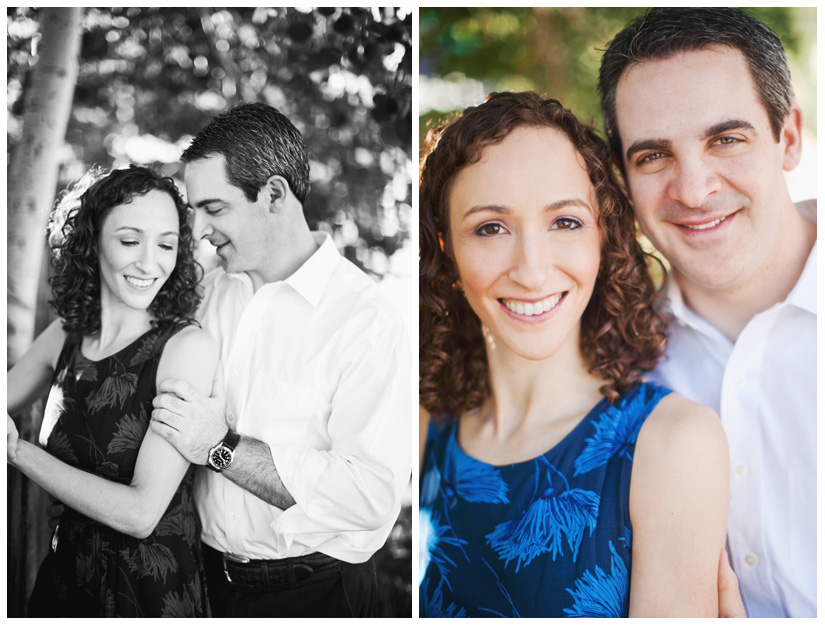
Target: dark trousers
(286, 588)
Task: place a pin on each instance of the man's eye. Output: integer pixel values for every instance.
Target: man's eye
(650, 157)
(488, 230)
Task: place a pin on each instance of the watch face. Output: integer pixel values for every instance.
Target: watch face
(220, 458)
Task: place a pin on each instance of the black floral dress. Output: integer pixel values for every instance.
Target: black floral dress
(100, 411)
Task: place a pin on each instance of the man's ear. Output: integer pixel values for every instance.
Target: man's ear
(791, 138)
(275, 192)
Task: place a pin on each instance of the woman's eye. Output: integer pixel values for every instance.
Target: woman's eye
(129, 242)
(566, 223)
(488, 230)
(167, 246)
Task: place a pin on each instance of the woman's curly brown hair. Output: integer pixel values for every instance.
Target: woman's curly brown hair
(74, 232)
(622, 332)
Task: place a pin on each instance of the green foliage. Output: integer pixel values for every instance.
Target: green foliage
(150, 78)
(555, 51)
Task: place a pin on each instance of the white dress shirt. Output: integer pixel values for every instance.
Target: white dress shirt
(764, 389)
(318, 367)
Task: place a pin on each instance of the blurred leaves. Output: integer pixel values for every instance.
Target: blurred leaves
(555, 51)
(150, 78)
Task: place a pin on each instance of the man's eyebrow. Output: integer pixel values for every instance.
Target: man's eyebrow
(727, 126)
(647, 144)
(203, 203)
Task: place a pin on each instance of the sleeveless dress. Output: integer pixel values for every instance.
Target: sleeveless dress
(98, 413)
(549, 537)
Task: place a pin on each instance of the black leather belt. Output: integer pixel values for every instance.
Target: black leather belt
(279, 572)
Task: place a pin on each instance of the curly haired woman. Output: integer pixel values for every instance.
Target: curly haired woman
(125, 289)
(556, 482)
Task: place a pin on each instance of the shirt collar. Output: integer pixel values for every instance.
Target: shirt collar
(312, 277)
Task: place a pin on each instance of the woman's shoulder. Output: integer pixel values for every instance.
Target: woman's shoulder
(680, 432)
(191, 339)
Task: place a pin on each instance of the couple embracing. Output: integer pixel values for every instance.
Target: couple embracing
(573, 460)
(232, 446)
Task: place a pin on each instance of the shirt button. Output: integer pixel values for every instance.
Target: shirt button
(751, 559)
(742, 470)
(740, 381)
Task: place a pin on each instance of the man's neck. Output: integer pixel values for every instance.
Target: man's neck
(730, 308)
(290, 250)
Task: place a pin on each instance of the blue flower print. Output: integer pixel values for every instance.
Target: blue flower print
(432, 605)
(432, 539)
(601, 595)
(471, 480)
(540, 528)
(616, 431)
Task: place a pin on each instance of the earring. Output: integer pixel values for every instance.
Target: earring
(488, 337)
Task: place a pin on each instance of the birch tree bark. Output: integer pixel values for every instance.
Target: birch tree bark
(31, 188)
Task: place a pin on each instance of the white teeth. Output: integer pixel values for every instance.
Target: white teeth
(532, 308)
(142, 284)
(708, 225)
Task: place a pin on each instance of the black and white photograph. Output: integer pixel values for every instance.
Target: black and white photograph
(209, 312)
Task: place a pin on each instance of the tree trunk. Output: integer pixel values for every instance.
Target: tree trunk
(33, 176)
(31, 188)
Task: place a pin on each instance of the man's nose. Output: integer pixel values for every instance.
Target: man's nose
(200, 225)
(693, 182)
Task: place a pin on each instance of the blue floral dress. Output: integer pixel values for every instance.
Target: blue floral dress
(549, 537)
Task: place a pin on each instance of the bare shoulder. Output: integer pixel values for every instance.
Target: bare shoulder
(680, 426)
(193, 341)
(191, 355)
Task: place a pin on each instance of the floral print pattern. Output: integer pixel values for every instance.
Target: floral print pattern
(549, 537)
(100, 413)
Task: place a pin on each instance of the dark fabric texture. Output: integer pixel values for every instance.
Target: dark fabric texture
(104, 411)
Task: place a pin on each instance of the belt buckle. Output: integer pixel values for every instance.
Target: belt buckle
(234, 558)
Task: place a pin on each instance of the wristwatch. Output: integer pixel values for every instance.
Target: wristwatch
(221, 456)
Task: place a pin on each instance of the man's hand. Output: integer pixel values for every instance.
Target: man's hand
(11, 439)
(189, 419)
(730, 600)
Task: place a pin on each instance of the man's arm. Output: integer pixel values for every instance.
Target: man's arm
(350, 486)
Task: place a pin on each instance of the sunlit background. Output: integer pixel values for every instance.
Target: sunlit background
(466, 53)
(150, 78)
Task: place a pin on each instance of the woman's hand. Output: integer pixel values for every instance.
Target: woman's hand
(11, 439)
(730, 600)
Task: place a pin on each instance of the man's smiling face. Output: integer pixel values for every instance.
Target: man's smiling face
(703, 168)
(235, 226)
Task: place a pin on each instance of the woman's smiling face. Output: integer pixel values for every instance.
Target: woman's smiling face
(525, 238)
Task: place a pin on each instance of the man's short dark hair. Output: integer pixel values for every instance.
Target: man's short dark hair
(258, 142)
(660, 33)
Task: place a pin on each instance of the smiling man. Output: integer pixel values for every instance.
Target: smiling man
(307, 437)
(699, 111)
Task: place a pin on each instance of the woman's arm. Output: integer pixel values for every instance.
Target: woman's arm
(678, 508)
(423, 427)
(133, 509)
(30, 377)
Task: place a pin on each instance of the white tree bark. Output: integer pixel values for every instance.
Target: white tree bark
(34, 168)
